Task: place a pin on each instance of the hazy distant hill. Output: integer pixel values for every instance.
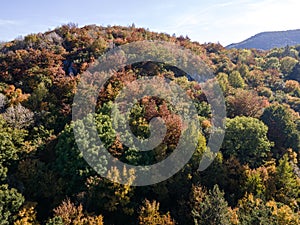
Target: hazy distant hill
(269, 40)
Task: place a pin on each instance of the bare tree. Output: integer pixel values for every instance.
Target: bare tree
(18, 116)
(2, 101)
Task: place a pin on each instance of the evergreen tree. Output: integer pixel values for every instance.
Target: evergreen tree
(287, 184)
(210, 208)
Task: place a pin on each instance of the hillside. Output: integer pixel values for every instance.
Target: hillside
(269, 40)
(45, 179)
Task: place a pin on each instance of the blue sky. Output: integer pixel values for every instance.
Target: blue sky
(204, 21)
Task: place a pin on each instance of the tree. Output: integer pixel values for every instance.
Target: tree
(255, 182)
(294, 74)
(71, 162)
(68, 213)
(111, 197)
(287, 64)
(272, 63)
(244, 70)
(246, 138)
(11, 141)
(291, 86)
(35, 101)
(245, 103)
(223, 81)
(18, 116)
(15, 95)
(210, 208)
(255, 78)
(40, 182)
(27, 214)
(235, 79)
(283, 214)
(150, 215)
(282, 127)
(287, 183)
(2, 101)
(10, 202)
(57, 220)
(254, 211)
(98, 46)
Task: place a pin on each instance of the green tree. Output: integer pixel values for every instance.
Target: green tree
(287, 64)
(246, 138)
(106, 196)
(223, 82)
(37, 97)
(70, 163)
(287, 183)
(244, 70)
(210, 208)
(10, 202)
(11, 141)
(255, 182)
(272, 63)
(282, 127)
(254, 211)
(235, 79)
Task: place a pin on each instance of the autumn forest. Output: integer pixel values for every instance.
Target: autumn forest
(253, 180)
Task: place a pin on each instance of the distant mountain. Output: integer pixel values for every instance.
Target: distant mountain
(269, 40)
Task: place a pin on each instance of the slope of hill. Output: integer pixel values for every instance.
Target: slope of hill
(44, 178)
(269, 40)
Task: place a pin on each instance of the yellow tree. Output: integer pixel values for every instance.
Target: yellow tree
(68, 213)
(150, 215)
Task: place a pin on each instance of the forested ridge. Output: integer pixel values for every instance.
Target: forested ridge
(254, 179)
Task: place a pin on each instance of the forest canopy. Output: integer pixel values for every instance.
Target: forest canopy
(44, 179)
